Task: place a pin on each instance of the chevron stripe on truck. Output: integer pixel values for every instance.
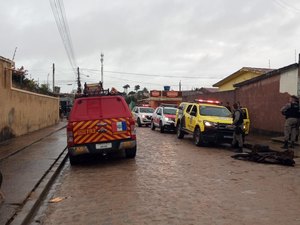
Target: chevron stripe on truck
(101, 130)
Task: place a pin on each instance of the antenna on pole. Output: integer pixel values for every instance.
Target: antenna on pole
(14, 54)
(102, 55)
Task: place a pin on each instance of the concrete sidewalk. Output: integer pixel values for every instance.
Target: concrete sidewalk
(14, 145)
(274, 143)
(27, 163)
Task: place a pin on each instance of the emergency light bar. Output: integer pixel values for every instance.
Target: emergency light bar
(207, 101)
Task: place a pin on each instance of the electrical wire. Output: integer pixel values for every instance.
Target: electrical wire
(63, 28)
(287, 6)
(154, 75)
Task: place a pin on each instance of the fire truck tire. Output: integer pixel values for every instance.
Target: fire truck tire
(162, 128)
(74, 160)
(139, 122)
(198, 137)
(180, 133)
(130, 153)
(152, 125)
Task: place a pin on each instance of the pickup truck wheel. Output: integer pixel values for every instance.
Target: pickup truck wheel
(198, 137)
(74, 160)
(162, 129)
(139, 122)
(152, 125)
(180, 133)
(130, 152)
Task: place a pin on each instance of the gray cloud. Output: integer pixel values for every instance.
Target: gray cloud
(207, 40)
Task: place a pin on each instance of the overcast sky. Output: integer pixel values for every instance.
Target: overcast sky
(197, 42)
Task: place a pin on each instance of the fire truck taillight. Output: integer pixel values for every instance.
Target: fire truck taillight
(132, 129)
(70, 135)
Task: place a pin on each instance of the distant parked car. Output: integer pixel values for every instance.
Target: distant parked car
(164, 119)
(142, 115)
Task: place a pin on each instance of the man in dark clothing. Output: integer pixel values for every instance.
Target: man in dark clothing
(291, 113)
(238, 124)
(228, 106)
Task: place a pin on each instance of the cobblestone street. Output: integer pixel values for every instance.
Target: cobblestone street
(172, 181)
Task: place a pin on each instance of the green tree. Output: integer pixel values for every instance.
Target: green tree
(137, 87)
(145, 90)
(44, 89)
(131, 93)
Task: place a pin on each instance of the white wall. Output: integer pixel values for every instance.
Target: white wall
(289, 82)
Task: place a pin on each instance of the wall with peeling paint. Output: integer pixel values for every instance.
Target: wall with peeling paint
(21, 111)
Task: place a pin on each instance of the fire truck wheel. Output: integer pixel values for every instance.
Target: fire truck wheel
(74, 160)
(130, 153)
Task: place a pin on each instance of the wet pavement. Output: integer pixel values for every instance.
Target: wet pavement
(25, 160)
(174, 182)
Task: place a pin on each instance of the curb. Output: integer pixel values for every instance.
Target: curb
(34, 199)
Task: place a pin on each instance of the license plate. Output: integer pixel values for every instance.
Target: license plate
(103, 146)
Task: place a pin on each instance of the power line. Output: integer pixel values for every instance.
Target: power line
(154, 75)
(287, 6)
(63, 28)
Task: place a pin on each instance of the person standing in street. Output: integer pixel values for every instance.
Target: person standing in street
(238, 124)
(228, 106)
(291, 113)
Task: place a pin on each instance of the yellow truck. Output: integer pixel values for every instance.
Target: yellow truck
(207, 121)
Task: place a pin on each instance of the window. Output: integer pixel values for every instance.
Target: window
(214, 111)
(189, 108)
(171, 111)
(146, 110)
(194, 109)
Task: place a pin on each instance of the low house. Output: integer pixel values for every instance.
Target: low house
(265, 95)
(245, 73)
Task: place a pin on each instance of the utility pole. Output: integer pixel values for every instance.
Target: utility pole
(102, 55)
(298, 73)
(78, 82)
(53, 77)
(14, 54)
(179, 85)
